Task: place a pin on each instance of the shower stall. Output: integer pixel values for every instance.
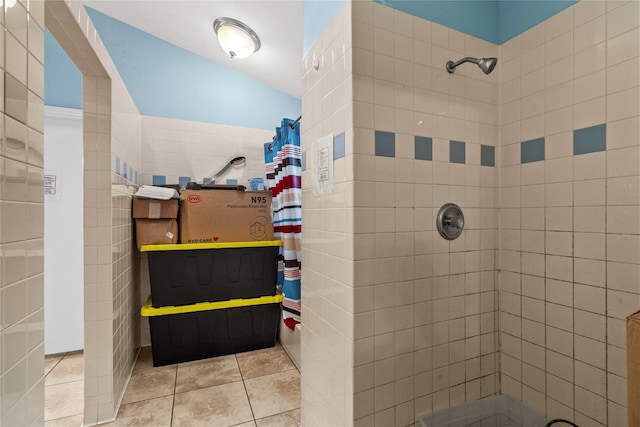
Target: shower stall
(541, 155)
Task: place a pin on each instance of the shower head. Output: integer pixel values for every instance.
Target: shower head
(240, 160)
(486, 64)
(236, 161)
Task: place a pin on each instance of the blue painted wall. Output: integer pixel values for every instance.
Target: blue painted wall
(317, 15)
(516, 17)
(478, 18)
(62, 79)
(495, 21)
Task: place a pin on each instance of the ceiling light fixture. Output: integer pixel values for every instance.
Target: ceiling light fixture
(236, 38)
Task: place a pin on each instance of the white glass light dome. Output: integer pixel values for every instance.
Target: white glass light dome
(236, 38)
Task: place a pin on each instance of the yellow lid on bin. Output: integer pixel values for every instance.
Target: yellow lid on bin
(148, 310)
(222, 245)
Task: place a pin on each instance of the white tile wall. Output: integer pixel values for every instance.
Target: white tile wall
(569, 232)
(112, 127)
(21, 216)
(99, 325)
(126, 143)
(125, 282)
(328, 290)
(423, 310)
(175, 148)
(434, 301)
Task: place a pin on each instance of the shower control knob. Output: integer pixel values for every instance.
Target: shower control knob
(456, 222)
(450, 221)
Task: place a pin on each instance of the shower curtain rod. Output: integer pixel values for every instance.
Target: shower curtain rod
(292, 125)
(295, 122)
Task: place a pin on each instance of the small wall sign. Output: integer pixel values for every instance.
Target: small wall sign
(50, 185)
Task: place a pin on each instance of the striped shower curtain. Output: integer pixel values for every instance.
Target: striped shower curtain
(283, 168)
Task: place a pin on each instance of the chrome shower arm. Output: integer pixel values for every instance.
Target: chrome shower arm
(451, 66)
(233, 162)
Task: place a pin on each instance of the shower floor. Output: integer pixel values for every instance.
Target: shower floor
(497, 411)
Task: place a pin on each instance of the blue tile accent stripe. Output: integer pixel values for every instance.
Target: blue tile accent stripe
(423, 148)
(338, 146)
(385, 144)
(232, 182)
(183, 181)
(590, 140)
(487, 155)
(532, 150)
(159, 180)
(127, 171)
(303, 161)
(457, 152)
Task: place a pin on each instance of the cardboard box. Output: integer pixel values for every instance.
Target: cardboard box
(214, 215)
(156, 232)
(633, 369)
(156, 222)
(155, 209)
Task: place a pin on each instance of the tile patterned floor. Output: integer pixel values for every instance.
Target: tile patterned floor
(253, 389)
(64, 389)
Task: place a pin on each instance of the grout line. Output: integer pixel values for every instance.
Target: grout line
(52, 368)
(58, 362)
(173, 400)
(173, 407)
(253, 415)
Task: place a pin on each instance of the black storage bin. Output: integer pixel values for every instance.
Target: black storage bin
(192, 273)
(203, 330)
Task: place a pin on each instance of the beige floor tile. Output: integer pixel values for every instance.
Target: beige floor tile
(220, 406)
(69, 369)
(150, 383)
(74, 421)
(264, 362)
(274, 394)
(249, 424)
(152, 412)
(51, 361)
(145, 359)
(63, 400)
(286, 419)
(207, 373)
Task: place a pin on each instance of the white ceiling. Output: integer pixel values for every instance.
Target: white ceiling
(189, 25)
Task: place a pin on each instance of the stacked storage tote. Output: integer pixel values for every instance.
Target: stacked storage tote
(211, 299)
